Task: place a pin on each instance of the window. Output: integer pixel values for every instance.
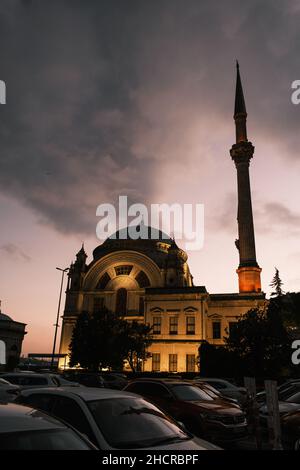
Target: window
(125, 269)
(149, 389)
(216, 330)
(190, 325)
(68, 410)
(172, 362)
(141, 306)
(156, 325)
(173, 326)
(121, 301)
(190, 362)
(103, 281)
(39, 401)
(230, 327)
(98, 304)
(132, 423)
(142, 279)
(155, 362)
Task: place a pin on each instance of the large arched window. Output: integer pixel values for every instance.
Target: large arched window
(121, 301)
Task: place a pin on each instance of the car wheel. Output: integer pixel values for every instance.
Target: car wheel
(297, 445)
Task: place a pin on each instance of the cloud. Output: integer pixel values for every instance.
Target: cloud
(109, 98)
(275, 217)
(15, 252)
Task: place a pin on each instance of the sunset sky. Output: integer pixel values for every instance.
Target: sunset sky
(136, 97)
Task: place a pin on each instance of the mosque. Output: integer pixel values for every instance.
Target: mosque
(149, 280)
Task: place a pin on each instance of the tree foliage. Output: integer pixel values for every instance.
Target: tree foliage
(105, 340)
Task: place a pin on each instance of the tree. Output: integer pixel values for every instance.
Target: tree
(277, 285)
(260, 340)
(136, 340)
(105, 340)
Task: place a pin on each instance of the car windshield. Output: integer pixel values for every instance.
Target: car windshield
(53, 439)
(133, 422)
(288, 392)
(294, 398)
(4, 382)
(190, 393)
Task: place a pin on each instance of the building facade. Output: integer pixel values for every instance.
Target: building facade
(148, 279)
(11, 338)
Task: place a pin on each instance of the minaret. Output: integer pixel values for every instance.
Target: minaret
(241, 153)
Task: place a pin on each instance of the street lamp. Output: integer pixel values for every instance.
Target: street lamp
(63, 271)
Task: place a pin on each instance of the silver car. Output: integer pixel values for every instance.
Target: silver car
(23, 428)
(113, 419)
(30, 380)
(8, 391)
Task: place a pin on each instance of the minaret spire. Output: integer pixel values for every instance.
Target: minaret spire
(240, 113)
(241, 153)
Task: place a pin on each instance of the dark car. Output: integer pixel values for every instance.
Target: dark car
(202, 414)
(88, 379)
(226, 388)
(23, 428)
(114, 380)
(290, 427)
(113, 419)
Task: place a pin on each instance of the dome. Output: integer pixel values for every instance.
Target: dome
(5, 317)
(152, 242)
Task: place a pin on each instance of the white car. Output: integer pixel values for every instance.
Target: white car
(8, 391)
(25, 380)
(113, 419)
(23, 428)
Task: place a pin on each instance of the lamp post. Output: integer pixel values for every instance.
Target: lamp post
(63, 271)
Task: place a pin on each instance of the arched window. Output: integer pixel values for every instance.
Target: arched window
(121, 301)
(104, 280)
(2, 352)
(142, 279)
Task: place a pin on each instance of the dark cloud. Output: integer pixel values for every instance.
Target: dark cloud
(15, 252)
(100, 93)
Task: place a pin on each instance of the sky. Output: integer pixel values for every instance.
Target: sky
(132, 97)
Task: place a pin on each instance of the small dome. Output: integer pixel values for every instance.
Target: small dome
(5, 317)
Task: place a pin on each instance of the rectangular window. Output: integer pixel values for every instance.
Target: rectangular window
(190, 362)
(156, 325)
(230, 326)
(190, 325)
(216, 330)
(172, 362)
(155, 362)
(173, 326)
(141, 306)
(98, 304)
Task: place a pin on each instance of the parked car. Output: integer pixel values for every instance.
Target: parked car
(205, 416)
(114, 380)
(29, 380)
(23, 428)
(290, 427)
(213, 392)
(291, 404)
(284, 390)
(88, 379)
(8, 391)
(226, 388)
(113, 419)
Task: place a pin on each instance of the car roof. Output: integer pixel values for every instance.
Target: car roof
(86, 393)
(15, 418)
(166, 381)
